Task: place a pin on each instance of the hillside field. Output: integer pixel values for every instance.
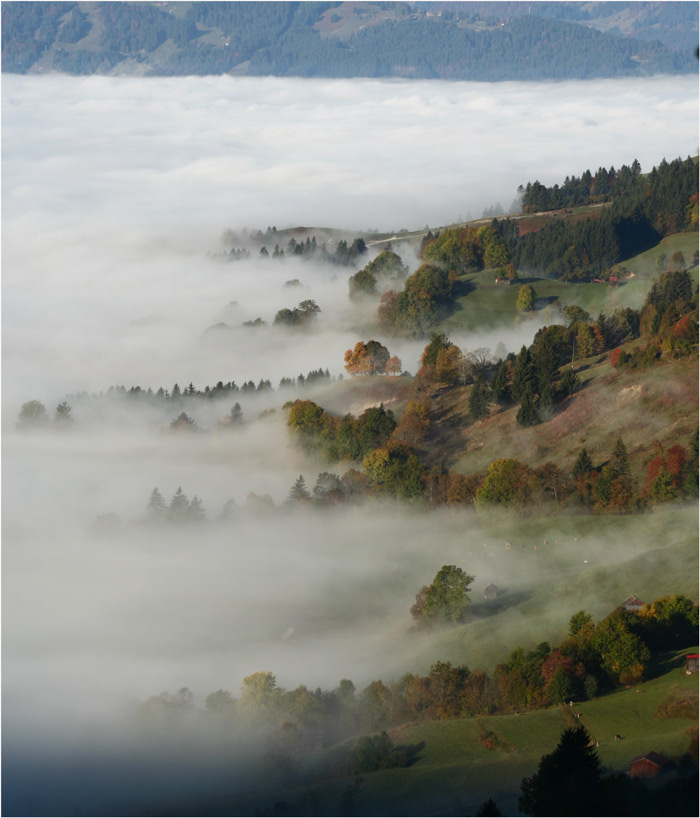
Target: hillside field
(487, 304)
(453, 773)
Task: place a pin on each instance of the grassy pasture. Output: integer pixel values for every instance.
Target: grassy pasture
(556, 567)
(660, 403)
(487, 304)
(453, 773)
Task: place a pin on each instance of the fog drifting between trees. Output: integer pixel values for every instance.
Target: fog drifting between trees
(113, 192)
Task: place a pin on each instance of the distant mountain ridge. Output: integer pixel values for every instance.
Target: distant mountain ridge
(468, 41)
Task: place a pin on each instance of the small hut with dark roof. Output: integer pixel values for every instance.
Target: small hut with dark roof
(648, 765)
(490, 591)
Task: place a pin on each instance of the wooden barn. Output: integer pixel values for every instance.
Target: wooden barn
(648, 765)
(490, 591)
(633, 603)
(691, 663)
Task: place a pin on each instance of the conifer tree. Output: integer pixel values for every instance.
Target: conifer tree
(583, 466)
(236, 414)
(500, 386)
(298, 491)
(568, 781)
(196, 510)
(179, 506)
(63, 414)
(479, 399)
(527, 414)
(523, 375)
(156, 504)
(620, 464)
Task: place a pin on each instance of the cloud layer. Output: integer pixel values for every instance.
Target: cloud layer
(113, 192)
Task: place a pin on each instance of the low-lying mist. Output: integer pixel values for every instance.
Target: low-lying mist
(116, 193)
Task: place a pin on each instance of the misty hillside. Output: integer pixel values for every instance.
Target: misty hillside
(466, 41)
(349, 426)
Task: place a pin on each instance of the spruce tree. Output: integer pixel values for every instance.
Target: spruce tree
(500, 386)
(63, 414)
(236, 414)
(156, 504)
(196, 510)
(583, 466)
(568, 781)
(298, 491)
(527, 414)
(479, 399)
(523, 375)
(568, 384)
(179, 506)
(620, 464)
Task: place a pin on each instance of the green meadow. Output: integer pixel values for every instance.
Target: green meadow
(487, 304)
(453, 773)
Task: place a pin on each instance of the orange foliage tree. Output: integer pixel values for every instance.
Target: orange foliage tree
(367, 359)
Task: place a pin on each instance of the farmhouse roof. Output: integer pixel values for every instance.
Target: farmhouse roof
(633, 601)
(653, 758)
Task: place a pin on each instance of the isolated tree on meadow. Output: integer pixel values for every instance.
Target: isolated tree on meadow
(445, 600)
(525, 301)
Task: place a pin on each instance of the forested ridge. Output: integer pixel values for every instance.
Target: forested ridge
(344, 40)
(628, 213)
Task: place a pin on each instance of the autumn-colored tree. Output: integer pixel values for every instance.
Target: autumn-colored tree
(599, 344)
(367, 359)
(448, 365)
(508, 485)
(260, 697)
(462, 488)
(395, 469)
(393, 365)
(386, 309)
(584, 343)
(414, 424)
(552, 481)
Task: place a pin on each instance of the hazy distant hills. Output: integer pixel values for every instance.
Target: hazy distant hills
(469, 41)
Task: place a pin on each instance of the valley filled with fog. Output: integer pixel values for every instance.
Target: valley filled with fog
(116, 195)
